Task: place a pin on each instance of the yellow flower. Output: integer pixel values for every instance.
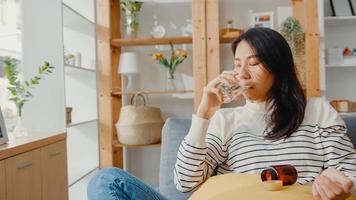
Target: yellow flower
(181, 53)
(157, 56)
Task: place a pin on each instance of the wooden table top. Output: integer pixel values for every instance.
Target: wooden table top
(248, 187)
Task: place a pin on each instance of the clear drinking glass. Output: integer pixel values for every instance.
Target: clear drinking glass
(230, 92)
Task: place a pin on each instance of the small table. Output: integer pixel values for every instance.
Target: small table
(248, 187)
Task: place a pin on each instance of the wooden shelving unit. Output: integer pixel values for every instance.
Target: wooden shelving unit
(117, 92)
(159, 41)
(116, 144)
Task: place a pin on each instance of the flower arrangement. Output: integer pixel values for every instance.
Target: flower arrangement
(20, 90)
(131, 8)
(177, 57)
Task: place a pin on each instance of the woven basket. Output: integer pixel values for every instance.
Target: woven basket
(139, 124)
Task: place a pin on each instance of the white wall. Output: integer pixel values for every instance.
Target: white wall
(42, 40)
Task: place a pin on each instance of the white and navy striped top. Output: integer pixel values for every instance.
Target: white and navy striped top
(232, 141)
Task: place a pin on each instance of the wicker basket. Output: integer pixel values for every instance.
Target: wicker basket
(139, 124)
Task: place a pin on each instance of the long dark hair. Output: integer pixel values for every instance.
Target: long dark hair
(286, 98)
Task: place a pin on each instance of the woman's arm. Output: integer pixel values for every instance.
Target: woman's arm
(339, 156)
(201, 151)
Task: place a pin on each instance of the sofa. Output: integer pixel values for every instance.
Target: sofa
(173, 133)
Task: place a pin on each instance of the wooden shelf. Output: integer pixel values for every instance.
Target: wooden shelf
(331, 18)
(150, 41)
(116, 92)
(160, 41)
(340, 65)
(116, 144)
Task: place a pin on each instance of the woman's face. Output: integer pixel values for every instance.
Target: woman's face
(252, 72)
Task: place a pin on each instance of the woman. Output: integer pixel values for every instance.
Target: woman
(276, 126)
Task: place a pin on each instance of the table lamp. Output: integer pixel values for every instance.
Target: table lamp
(129, 66)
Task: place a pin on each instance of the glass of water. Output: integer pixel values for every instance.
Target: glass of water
(230, 92)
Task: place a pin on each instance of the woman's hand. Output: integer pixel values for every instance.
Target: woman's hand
(212, 96)
(331, 185)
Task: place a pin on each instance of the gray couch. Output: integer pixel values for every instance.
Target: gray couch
(173, 133)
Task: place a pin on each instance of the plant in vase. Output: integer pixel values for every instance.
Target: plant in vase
(293, 32)
(20, 90)
(177, 57)
(131, 9)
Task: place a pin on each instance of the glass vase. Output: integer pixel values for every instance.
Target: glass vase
(171, 81)
(132, 24)
(19, 130)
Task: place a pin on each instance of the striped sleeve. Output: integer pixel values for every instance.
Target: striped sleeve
(339, 151)
(198, 155)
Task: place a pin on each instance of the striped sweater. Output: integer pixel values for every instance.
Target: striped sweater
(232, 141)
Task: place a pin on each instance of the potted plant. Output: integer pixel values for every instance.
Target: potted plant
(20, 90)
(131, 9)
(177, 57)
(293, 32)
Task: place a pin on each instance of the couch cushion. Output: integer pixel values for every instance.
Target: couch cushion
(351, 128)
(173, 133)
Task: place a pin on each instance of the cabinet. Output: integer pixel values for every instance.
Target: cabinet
(79, 39)
(338, 78)
(2, 180)
(23, 176)
(54, 171)
(34, 169)
(206, 60)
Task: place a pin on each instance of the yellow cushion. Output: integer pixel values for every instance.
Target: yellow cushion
(248, 187)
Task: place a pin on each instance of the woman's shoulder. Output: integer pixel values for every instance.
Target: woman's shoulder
(319, 112)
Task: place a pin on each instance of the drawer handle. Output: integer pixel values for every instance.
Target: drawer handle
(24, 165)
(55, 153)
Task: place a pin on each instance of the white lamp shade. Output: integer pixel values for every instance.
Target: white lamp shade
(129, 63)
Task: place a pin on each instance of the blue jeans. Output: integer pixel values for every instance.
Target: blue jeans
(116, 184)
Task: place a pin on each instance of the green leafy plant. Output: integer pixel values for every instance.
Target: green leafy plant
(20, 90)
(132, 8)
(293, 32)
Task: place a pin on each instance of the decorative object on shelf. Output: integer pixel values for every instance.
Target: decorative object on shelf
(343, 105)
(19, 89)
(131, 9)
(139, 124)
(69, 114)
(261, 19)
(293, 32)
(342, 8)
(177, 57)
(69, 59)
(129, 65)
(334, 55)
(229, 31)
(158, 31)
(346, 52)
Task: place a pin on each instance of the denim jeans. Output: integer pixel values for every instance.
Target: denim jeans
(116, 184)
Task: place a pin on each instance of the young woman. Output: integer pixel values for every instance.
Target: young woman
(276, 126)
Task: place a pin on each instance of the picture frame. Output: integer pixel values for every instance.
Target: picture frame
(3, 132)
(342, 8)
(262, 19)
